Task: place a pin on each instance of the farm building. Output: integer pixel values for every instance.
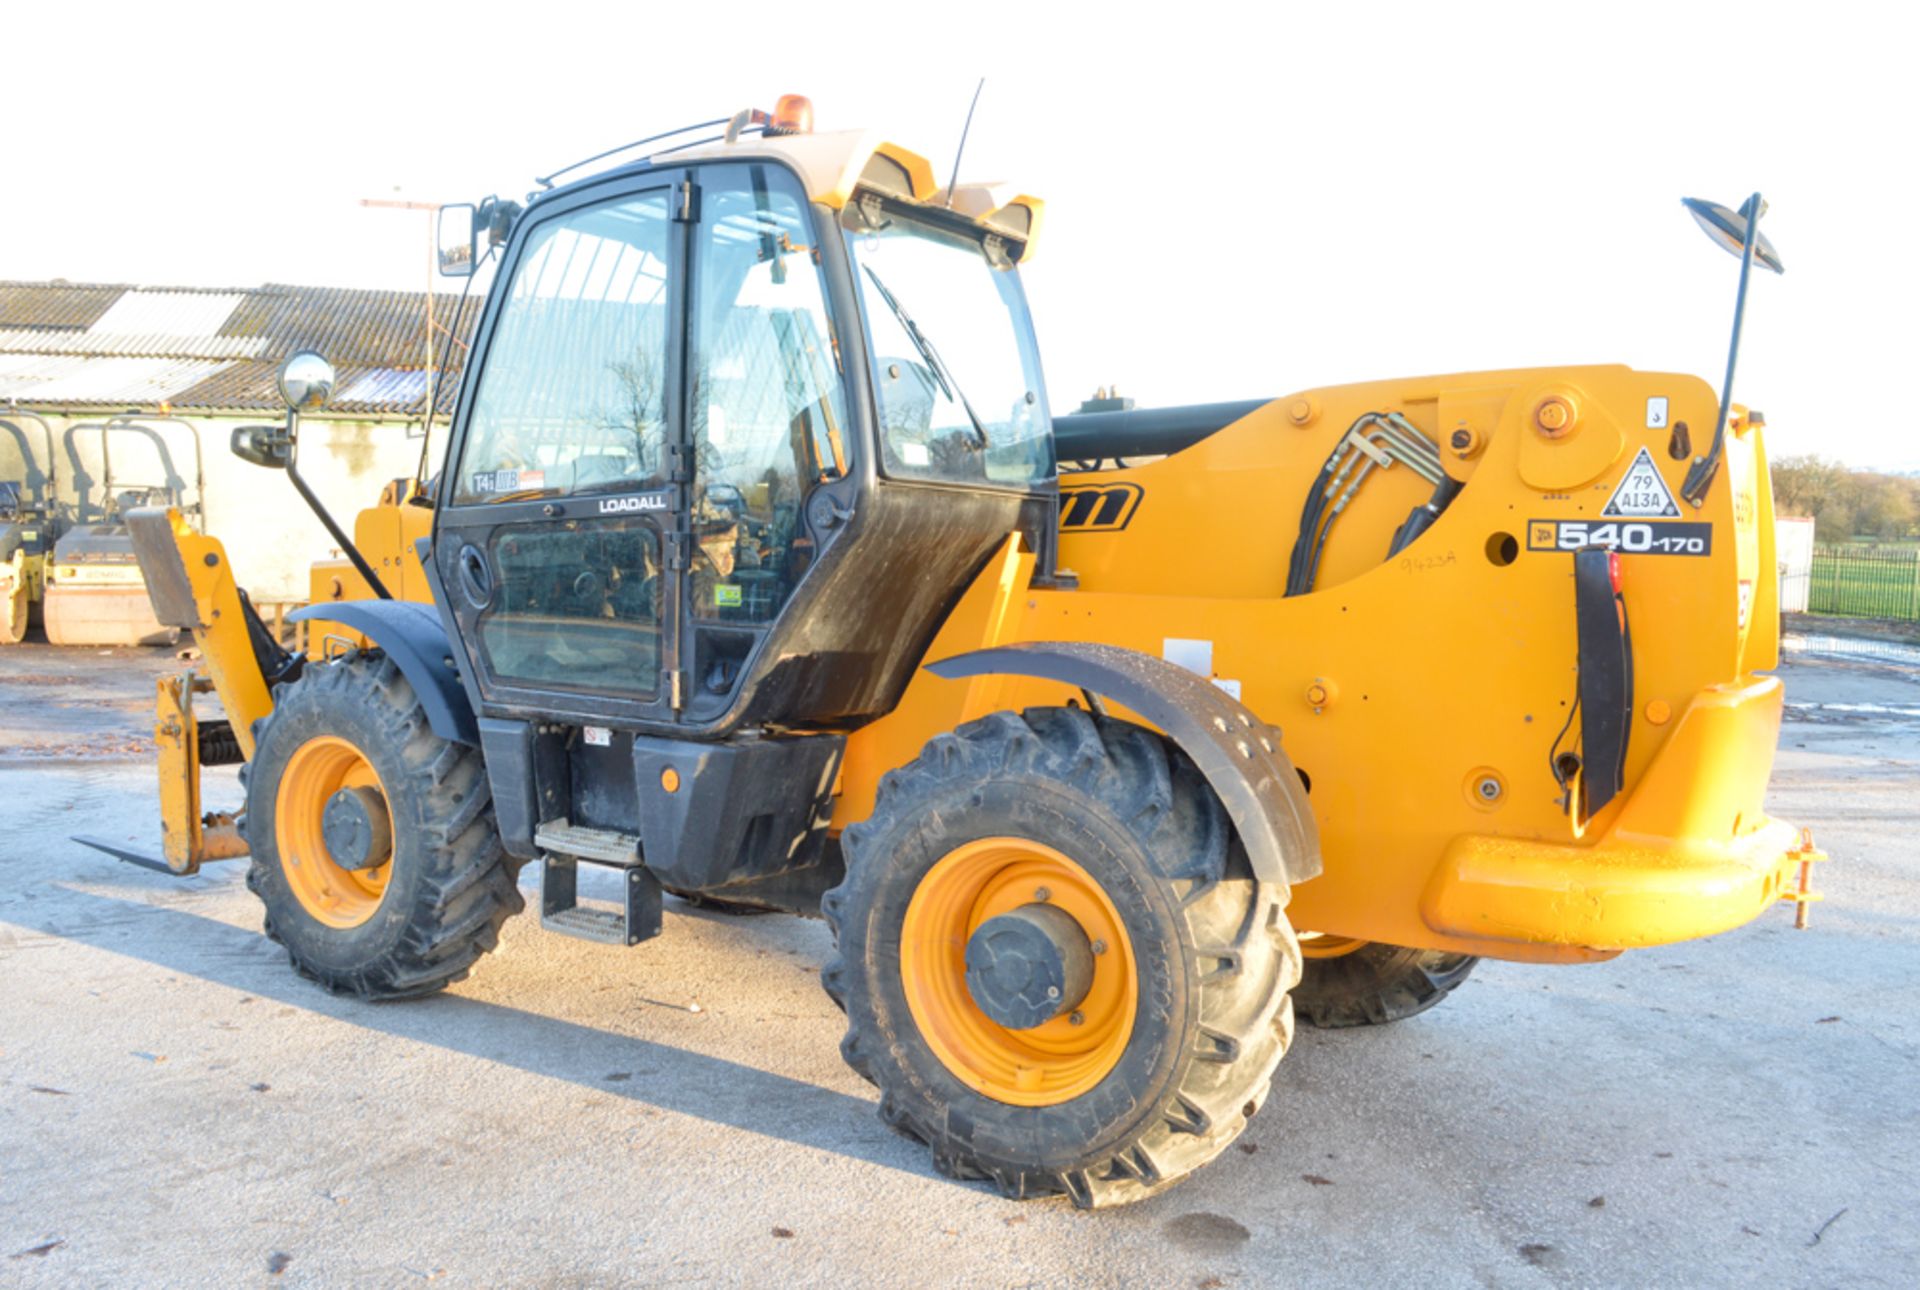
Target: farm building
(141, 387)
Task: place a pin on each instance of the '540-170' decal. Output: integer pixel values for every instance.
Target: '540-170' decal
(1633, 537)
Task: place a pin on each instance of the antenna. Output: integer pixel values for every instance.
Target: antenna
(426, 335)
(961, 150)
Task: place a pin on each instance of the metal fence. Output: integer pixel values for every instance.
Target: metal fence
(1866, 581)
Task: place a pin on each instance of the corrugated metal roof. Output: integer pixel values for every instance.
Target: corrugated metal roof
(247, 384)
(153, 344)
(55, 304)
(381, 385)
(119, 382)
(358, 390)
(377, 328)
(82, 344)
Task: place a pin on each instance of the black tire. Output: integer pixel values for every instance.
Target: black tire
(1376, 984)
(451, 884)
(1214, 954)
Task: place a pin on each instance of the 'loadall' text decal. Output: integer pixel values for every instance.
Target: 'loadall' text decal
(638, 502)
(1107, 508)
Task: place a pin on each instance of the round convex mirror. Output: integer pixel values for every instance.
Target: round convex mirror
(1728, 229)
(306, 381)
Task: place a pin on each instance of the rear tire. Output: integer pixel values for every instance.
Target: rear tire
(1375, 983)
(1205, 953)
(418, 922)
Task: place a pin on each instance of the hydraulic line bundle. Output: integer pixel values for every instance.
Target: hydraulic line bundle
(1375, 439)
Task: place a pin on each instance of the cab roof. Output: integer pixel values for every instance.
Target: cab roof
(834, 164)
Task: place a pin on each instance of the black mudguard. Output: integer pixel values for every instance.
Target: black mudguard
(1239, 754)
(411, 635)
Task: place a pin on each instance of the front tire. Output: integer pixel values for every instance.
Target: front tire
(1186, 1013)
(416, 920)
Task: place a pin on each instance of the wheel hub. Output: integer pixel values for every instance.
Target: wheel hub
(1029, 965)
(356, 828)
(980, 998)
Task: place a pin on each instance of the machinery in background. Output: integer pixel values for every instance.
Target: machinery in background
(29, 522)
(95, 593)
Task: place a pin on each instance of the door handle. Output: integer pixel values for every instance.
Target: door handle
(476, 579)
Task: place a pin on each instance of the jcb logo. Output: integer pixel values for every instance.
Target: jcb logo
(1105, 509)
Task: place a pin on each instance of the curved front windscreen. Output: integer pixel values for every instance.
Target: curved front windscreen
(955, 368)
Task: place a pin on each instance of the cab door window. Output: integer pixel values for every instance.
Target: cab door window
(573, 398)
(766, 407)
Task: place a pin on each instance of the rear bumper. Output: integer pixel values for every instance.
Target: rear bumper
(1690, 852)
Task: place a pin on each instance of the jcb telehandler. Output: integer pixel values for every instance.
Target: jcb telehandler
(95, 594)
(758, 570)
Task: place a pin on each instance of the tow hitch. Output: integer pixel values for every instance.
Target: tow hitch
(1803, 895)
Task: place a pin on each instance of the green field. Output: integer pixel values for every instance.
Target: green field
(1866, 582)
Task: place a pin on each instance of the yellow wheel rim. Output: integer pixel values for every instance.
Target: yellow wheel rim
(1057, 1060)
(1324, 945)
(317, 770)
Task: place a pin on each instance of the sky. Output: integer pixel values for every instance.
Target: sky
(1242, 200)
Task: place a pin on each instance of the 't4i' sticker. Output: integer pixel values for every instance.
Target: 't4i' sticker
(1641, 491)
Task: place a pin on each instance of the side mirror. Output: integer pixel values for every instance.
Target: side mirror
(454, 236)
(269, 446)
(1728, 229)
(306, 381)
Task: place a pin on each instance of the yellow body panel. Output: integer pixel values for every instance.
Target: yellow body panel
(386, 535)
(1400, 684)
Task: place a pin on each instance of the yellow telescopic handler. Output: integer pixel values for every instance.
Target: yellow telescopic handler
(759, 571)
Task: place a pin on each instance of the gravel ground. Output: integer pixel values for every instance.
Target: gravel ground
(178, 1108)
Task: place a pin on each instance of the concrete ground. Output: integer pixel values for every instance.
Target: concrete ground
(178, 1108)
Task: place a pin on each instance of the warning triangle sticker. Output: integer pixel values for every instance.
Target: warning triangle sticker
(1641, 491)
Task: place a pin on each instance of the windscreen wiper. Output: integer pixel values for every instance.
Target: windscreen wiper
(941, 373)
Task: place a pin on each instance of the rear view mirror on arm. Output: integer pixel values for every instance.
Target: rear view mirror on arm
(268, 446)
(454, 239)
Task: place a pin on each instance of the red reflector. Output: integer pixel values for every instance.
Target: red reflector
(1613, 570)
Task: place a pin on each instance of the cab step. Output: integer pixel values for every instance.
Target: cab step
(563, 847)
(601, 846)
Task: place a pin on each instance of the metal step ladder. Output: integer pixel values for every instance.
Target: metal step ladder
(563, 846)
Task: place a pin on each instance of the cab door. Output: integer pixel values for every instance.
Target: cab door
(561, 536)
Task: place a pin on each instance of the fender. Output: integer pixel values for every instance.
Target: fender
(411, 635)
(1239, 754)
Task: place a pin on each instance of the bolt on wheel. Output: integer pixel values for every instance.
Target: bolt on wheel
(1018, 971)
(334, 831)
